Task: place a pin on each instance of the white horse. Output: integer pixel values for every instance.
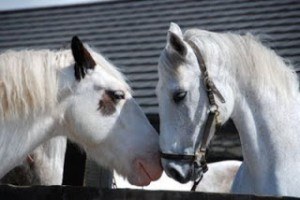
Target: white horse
(261, 94)
(45, 93)
(218, 179)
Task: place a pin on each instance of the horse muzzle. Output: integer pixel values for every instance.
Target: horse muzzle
(182, 171)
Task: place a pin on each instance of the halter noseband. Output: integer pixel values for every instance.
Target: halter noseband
(211, 126)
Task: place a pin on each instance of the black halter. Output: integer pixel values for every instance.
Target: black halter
(211, 126)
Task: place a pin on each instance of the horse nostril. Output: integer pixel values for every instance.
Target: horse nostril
(176, 175)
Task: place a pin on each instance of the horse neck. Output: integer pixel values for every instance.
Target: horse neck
(269, 137)
(265, 121)
(268, 127)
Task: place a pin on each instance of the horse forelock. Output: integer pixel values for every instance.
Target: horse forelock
(169, 63)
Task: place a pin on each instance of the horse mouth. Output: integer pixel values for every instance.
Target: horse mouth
(145, 172)
(143, 176)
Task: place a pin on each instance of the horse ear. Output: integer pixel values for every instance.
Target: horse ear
(174, 28)
(175, 39)
(83, 59)
(177, 44)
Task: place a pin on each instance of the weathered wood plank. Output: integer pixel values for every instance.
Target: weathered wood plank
(8, 192)
(128, 194)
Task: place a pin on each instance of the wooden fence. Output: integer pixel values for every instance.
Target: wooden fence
(9, 192)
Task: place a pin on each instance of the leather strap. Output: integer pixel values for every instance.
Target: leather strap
(210, 86)
(170, 156)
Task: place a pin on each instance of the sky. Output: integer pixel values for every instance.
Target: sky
(23, 4)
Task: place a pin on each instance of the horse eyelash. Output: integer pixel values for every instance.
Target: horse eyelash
(116, 94)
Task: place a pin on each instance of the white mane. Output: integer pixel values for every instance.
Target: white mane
(29, 80)
(255, 63)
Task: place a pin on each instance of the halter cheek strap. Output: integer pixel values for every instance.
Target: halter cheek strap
(211, 126)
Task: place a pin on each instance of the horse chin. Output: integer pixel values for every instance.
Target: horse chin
(141, 180)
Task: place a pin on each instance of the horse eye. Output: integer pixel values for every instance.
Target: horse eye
(179, 96)
(117, 95)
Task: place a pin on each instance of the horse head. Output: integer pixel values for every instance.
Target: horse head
(184, 103)
(103, 117)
